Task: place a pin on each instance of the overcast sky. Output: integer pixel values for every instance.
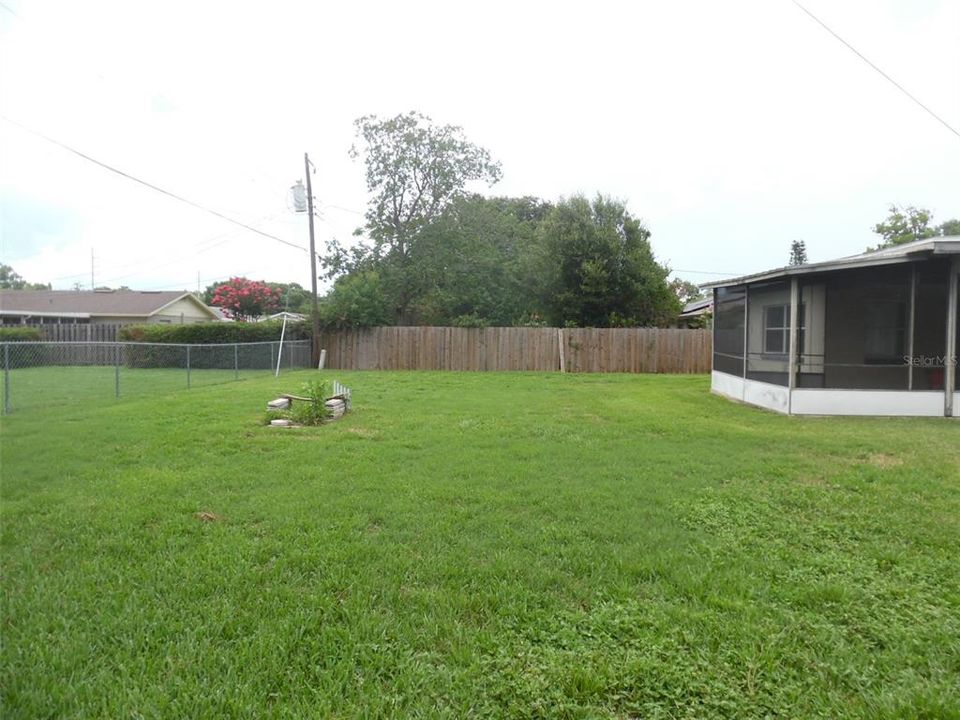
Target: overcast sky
(729, 128)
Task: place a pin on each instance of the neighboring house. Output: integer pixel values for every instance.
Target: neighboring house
(872, 334)
(220, 313)
(696, 314)
(57, 307)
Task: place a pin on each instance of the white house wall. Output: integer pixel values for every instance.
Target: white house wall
(765, 395)
(182, 311)
(754, 392)
(901, 403)
(917, 403)
(729, 386)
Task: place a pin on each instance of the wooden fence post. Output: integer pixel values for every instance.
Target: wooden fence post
(563, 365)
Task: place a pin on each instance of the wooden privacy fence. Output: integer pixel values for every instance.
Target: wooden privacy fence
(89, 332)
(634, 350)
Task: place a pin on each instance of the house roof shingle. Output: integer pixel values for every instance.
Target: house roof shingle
(84, 303)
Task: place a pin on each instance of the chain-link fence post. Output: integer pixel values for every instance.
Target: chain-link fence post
(188, 367)
(6, 378)
(271, 356)
(236, 362)
(116, 370)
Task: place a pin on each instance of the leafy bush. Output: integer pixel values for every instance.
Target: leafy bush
(217, 332)
(24, 355)
(314, 412)
(306, 412)
(356, 301)
(19, 334)
(471, 321)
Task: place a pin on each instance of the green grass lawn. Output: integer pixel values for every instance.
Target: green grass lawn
(55, 386)
(478, 545)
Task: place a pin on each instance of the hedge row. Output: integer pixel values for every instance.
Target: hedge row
(218, 332)
(13, 334)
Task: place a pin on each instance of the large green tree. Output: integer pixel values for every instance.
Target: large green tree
(598, 268)
(10, 279)
(686, 291)
(798, 253)
(356, 300)
(949, 228)
(478, 256)
(904, 225)
(414, 171)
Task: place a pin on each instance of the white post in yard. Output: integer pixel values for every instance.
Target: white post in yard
(323, 359)
(283, 329)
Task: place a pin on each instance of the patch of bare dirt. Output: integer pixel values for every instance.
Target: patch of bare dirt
(884, 460)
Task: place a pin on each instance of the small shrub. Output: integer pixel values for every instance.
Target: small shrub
(313, 412)
(22, 356)
(19, 334)
(306, 412)
(214, 332)
(471, 321)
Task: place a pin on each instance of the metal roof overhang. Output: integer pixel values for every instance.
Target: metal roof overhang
(909, 252)
(35, 313)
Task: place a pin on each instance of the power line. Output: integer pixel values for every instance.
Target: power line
(337, 207)
(150, 261)
(111, 274)
(867, 61)
(10, 10)
(704, 272)
(128, 176)
(180, 286)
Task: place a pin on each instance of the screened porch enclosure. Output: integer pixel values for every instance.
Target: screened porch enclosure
(881, 328)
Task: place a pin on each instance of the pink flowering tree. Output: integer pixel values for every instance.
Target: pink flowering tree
(244, 300)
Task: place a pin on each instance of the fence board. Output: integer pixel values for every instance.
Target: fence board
(88, 332)
(633, 350)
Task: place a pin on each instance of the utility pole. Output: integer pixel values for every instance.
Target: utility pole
(92, 286)
(315, 355)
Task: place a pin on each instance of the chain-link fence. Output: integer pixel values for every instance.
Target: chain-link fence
(47, 373)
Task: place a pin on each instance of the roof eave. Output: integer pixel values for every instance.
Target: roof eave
(40, 313)
(910, 252)
(830, 266)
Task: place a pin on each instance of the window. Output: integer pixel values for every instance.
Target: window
(776, 329)
(885, 331)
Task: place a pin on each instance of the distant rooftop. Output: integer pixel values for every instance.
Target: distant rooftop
(84, 303)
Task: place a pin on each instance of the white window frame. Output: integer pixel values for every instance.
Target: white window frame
(784, 328)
